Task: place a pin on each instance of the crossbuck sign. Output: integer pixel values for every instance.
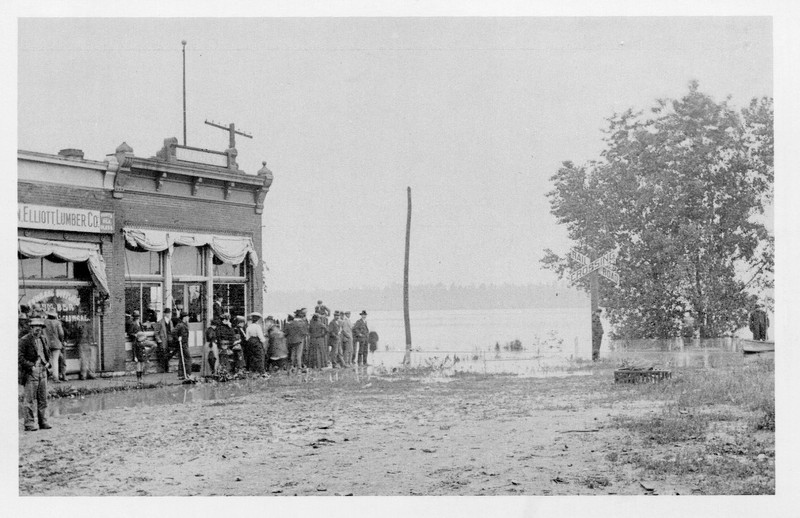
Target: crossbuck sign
(604, 265)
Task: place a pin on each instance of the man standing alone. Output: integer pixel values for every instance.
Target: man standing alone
(597, 334)
(759, 322)
(361, 335)
(33, 360)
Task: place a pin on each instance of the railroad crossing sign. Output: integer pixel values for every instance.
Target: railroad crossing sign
(604, 265)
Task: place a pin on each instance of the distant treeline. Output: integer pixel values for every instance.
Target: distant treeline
(432, 296)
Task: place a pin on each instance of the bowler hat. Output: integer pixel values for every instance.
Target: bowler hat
(136, 313)
(364, 313)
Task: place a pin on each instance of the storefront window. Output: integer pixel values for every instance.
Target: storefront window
(145, 298)
(51, 268)
(228, 270)
(233, 298)
(141, 262)
(187, 260)
(190, 297)
(75, 308)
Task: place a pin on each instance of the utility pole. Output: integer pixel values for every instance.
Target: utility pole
(184, 91)
(407, 318)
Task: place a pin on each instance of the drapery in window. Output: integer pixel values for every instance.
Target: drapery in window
(69, 251)
(228, 249)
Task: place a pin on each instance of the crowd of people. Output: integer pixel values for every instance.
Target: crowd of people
(237, 345)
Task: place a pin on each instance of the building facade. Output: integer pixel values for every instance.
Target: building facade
(100, 239)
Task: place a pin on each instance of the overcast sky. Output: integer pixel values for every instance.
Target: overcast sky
(474, 114)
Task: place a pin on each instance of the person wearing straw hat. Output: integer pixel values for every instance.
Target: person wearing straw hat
(55, 337)
(33, 362)
(254, 335)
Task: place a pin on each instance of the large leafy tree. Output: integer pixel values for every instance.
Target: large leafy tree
(678, 192)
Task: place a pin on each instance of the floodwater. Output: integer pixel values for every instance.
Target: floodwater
(167, 395)
(553, 361)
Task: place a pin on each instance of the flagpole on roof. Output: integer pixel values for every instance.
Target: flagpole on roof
(183, 42)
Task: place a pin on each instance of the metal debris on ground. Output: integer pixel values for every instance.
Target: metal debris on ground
(640, 372)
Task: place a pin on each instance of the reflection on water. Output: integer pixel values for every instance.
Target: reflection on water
(678, 353)
(151, 397)
(551, 362)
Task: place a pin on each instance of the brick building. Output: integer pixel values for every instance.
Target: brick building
(100, 239)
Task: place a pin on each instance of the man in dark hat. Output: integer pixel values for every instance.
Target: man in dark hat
(217, 308)
(296, 332)
(180, 339)
(33, 363)
(163, 338)
(317, 338)
(225, 339)
(759, 322)
(361, 337)
(335, 340)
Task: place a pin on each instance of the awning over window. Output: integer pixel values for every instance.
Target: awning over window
(228, 249)
(69, 251)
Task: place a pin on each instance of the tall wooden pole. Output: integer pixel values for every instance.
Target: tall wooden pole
(407, 357)
(184, 91)
(594, 291)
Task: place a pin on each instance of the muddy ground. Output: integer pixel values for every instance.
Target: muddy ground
(396, 434)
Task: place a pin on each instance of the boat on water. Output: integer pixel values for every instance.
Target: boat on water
(756, 346)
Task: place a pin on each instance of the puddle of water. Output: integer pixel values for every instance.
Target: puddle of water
(174, 394)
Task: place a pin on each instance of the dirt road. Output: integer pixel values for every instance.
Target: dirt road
(388, 435)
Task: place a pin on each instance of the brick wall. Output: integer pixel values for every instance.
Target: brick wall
(112, 323)
(147, 210)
